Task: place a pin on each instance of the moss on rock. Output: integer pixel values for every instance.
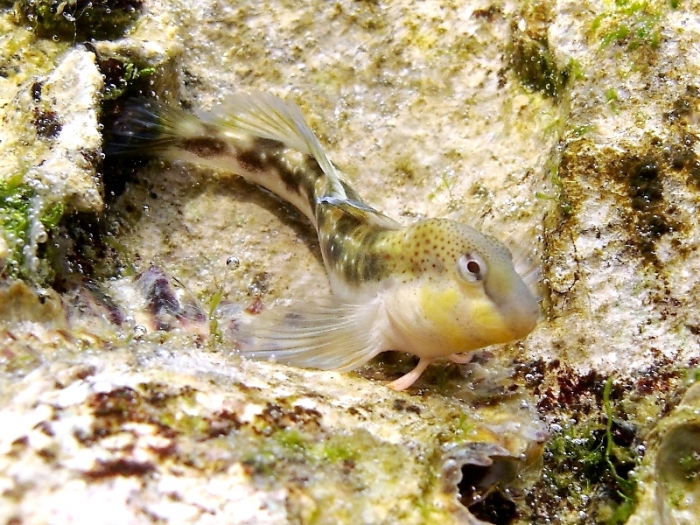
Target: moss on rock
(79, 19)
(531, 56)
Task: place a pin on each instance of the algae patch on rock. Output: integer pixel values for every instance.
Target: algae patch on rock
(78, 19)
(51, 145)
(531, 56)
(669, 486)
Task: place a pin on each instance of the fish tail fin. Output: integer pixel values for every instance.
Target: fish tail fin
(145, 127)
(327, 336)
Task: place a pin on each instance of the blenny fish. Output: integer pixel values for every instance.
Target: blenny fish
(435, 288)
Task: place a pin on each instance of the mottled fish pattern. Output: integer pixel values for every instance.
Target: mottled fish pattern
(435, 288)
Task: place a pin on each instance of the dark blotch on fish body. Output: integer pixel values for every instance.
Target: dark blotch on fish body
(204, 146)
(251, 160)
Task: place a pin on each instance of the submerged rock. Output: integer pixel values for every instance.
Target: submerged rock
(669, 483)
(568, 129)
(50, 142)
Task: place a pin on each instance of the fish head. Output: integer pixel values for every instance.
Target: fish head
(461, 292)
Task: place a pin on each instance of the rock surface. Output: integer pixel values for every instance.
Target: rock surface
(669, 486)
(568, 129)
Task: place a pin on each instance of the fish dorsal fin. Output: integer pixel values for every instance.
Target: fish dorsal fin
(324, 335)
(361, 211)
(267, 116)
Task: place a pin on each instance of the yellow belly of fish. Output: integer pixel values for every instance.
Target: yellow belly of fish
(459, 324)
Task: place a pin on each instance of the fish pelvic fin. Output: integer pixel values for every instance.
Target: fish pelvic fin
(270, 117)
(326, 335)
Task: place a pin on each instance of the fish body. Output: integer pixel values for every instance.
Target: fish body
(435, 288)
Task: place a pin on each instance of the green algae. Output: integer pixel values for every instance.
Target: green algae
(284, 445)
(79, 19)
(690, 465)
(601, 438)
(19, 207)
(447, 181)
(213, 304)
(531, 56)
(626, 485)
(293, 445)
(588, 465)
(339, 448)
(53, 215)
(121, 76)
(15, 205)
(631, 24)
(535, 67)
(611, 95)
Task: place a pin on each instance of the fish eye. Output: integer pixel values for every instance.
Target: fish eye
(471, 267)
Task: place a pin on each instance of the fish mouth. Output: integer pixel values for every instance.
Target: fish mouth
(520, 314)
(509, 319)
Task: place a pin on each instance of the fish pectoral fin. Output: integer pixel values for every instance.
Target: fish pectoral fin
(360, 211)
(325, 335)
(267, 116)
